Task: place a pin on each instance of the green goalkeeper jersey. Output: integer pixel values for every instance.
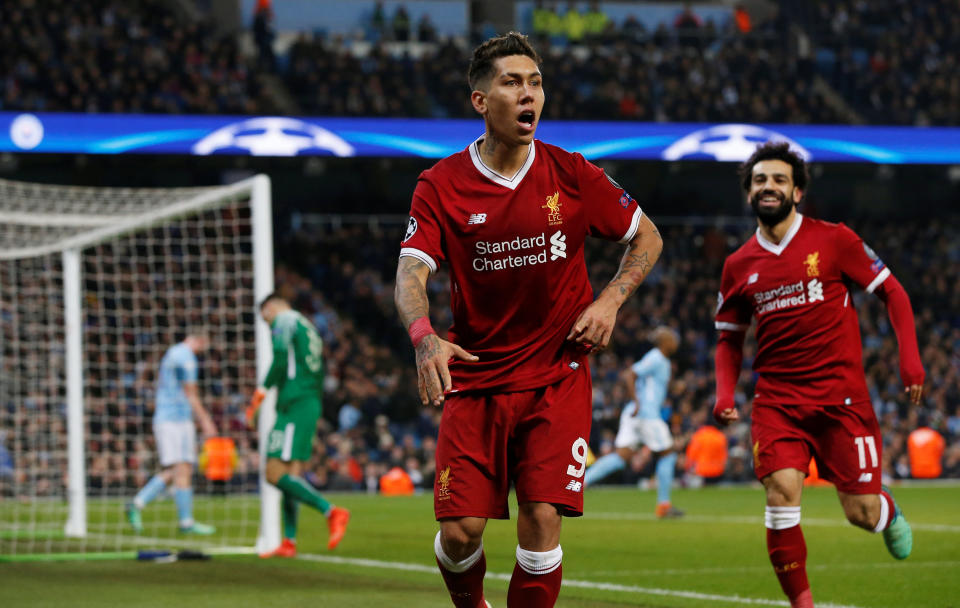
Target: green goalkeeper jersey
(297, 368)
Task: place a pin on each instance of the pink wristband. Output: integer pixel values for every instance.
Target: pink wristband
(419, 330)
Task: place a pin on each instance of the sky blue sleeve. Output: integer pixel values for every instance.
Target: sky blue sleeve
(187, 367)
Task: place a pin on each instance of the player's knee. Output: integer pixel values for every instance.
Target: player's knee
(459, 541)
(275, 470)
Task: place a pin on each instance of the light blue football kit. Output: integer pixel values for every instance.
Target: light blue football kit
(642, 424)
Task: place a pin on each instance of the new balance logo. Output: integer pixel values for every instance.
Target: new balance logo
(814, 291)
(576, 486)
(477, 218)
(865, 477)
(558, 245)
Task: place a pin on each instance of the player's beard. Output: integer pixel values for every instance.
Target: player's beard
(771, 217)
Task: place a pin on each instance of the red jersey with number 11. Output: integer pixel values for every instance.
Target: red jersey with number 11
(514, 247)
(808, 337)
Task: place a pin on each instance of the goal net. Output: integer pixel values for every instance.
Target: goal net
(95, 285)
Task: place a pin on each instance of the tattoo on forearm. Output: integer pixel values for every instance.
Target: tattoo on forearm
(410, 294)
(636, 265)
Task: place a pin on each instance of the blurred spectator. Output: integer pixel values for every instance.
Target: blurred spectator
(706, 454)
(378, 22)
(263, 34)
(426, 32)
(687, 19)
(925, 449)
(396, 482)
(595, 21)
(401, 24)
(742, 19)
(546, 21)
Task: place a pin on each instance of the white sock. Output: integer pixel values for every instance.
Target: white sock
(539, 562)
(884, 516)
(781, 518)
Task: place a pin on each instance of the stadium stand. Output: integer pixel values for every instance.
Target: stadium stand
(114, 56)
(106, 56)
(895, 62)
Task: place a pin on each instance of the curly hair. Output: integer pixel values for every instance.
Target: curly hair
(775, 150)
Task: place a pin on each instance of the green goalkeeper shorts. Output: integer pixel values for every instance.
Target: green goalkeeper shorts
(292, 435)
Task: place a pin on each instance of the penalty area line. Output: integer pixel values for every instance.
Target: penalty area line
(712, 597)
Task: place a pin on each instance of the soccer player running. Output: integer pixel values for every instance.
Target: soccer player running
(811, 396)
(641, 421)
(297, 372)
(177, 404)
(509, 215)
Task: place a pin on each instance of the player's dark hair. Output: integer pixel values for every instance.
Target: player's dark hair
(775, 150)
(484, 56)
(270, 298)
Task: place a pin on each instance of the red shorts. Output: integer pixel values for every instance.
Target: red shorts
(844, 439)
(536, 439)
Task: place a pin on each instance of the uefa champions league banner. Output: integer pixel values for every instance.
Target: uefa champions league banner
(435, 138)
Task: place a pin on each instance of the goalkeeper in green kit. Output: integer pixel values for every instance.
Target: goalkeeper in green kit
(297, 372)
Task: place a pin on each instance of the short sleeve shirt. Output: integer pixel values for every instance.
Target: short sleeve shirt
(514, 247)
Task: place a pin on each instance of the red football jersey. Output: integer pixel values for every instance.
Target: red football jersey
(808, 337)
(514, 247)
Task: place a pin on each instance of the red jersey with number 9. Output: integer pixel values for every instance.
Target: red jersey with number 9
(514, 246)
(808, 337)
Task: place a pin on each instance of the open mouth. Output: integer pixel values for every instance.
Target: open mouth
(527, 118)
(770, 199)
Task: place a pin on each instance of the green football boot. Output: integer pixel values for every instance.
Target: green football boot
(898, 536)
(133, 516)
(199, 529)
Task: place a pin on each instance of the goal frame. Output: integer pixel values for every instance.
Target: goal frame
(71, 249)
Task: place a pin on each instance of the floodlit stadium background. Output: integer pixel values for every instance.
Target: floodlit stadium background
(343, 110)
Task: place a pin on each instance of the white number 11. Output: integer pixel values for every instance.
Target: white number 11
(862, 453)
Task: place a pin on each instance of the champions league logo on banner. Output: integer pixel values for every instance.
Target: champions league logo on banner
(727, 143)
(272, 136)
(72, 133)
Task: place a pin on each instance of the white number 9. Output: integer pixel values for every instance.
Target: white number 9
(579, 451)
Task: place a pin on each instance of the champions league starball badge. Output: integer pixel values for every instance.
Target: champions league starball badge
(411, 229)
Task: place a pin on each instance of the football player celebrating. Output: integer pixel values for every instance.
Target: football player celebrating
(509, 216)
(811, 398)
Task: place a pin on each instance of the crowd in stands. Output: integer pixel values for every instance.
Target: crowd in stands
(686, 72)
(891, 61)
(895, 61)
(118, 56)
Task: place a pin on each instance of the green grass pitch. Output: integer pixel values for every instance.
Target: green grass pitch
(617, 555)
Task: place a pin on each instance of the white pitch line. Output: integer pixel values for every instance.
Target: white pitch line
(730, 599)
(761, 569)
(758, 520)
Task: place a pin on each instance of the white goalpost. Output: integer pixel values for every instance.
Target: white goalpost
(95, 285)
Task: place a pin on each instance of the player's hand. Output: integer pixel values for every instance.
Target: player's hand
(916, 393)
(725, 414)
(433, 373)
(207, 427)
(594, 327)
(255, 401)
